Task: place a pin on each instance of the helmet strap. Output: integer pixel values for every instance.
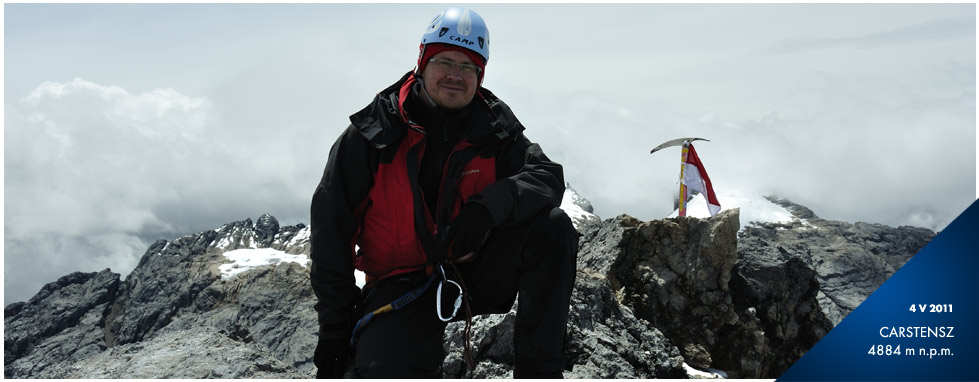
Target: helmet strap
(424, 91)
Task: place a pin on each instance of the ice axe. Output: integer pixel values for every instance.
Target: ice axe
(676, 142)
(685, 142)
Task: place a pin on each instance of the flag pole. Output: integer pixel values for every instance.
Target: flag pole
(683, 187)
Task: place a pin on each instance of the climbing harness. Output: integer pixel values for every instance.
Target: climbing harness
(398, 303)
(407, 298)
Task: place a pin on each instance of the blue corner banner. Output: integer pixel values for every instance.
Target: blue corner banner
(920, 325)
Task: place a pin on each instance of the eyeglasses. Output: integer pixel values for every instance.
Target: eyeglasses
(445, 66)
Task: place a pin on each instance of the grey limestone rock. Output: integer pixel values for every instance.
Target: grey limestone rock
(292, 239)
(198, 352)
(775, 292)
(265, 230)
(851, 260)
(169, 277)
(675, 273)
(59, 325)
(270, 306)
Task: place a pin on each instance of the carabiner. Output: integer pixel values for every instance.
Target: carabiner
(438, 298)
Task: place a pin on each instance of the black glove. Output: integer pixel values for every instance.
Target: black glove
(331, 357)
(468, 231)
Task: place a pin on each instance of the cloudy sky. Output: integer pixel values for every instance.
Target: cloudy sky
(124, 124)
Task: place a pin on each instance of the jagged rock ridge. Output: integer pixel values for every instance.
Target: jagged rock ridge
(850, 260)
(649, 297)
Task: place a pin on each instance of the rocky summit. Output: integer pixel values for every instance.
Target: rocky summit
(652, 299)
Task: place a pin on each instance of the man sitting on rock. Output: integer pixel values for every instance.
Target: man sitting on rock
(443, 194)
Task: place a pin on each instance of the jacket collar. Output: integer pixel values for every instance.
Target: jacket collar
(384, 121)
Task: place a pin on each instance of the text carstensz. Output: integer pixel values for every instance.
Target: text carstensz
(917, 331)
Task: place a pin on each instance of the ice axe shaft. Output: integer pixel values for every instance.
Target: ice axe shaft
(682, 210)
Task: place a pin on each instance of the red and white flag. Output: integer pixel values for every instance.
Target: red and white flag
(695, 178)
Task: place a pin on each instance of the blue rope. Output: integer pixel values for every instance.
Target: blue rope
(398, 303)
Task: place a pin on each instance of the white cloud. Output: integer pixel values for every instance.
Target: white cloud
(873, 147)
(95, 173)
(88, 168)
(97, 158)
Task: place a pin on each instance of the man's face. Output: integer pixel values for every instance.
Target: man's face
(450, 89)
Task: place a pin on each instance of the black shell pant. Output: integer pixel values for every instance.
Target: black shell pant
(535, 260)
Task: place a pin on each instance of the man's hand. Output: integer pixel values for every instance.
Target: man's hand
(469, 229)
(331, 357)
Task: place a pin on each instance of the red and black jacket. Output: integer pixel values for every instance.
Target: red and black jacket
(370, 196)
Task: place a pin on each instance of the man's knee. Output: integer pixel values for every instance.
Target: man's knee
(559, 229)
(552, 240)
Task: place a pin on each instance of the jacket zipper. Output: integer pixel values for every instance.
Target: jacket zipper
(441, 209)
